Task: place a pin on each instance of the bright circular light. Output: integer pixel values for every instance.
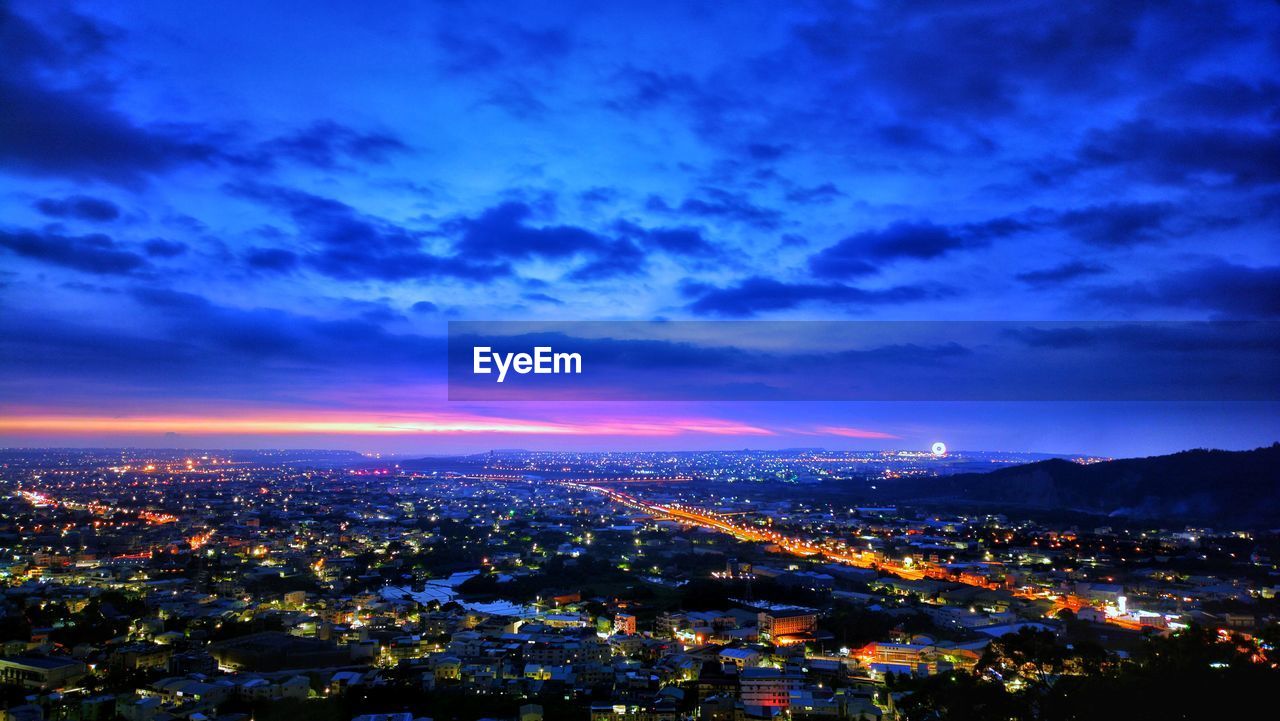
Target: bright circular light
(939, 449)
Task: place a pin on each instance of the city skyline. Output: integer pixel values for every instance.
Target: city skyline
(636, 587)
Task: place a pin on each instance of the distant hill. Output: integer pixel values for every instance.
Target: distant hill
(1235, 488)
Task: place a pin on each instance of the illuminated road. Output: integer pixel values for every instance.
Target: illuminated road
(830, 550)
(37, 498)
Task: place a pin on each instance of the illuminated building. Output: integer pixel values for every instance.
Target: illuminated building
(783, 627)
(625, 624)
(768, 687)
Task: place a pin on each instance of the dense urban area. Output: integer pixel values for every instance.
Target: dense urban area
(154, 585)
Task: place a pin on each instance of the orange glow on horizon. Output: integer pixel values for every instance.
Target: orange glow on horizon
(372, 424)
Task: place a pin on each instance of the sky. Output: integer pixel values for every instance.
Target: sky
(248, 224)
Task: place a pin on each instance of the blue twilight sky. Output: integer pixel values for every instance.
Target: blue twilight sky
(247, 223)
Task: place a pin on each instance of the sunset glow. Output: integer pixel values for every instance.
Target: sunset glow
(373, 424)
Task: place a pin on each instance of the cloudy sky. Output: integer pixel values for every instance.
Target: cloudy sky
(248, 223)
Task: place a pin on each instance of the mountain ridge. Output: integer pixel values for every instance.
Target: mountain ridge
(1195, 486)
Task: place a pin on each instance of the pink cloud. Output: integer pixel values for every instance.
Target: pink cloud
(852, 432)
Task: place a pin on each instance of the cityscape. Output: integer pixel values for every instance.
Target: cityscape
(661, 586)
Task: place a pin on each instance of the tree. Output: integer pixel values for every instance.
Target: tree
(959, 696)
(1032, 654)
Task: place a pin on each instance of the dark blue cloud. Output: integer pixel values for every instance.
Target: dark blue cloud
(757, 294)
(992, 60)
(507, 233)
(164, 248)
(327, 144)
(354, 246)
(50, 132)
(185, 345)
(1212, 338)
(598, 196)
(1174, 155)
(503, 232)
(907, 136)
(823, 193)
(272, 259)
(542, 298)
(1063, 273)
(620, 258)
(904, 240)
(263, 333)
(767, 151)
(1118, 224)
(501, 46)
(645, 90)
(1221, 98)
(53, 129)
(94, 253)
(861, 253)
(1225, 289)
(79, 207)
(843, 260)
(61, 117)
(685, 241)
(720, 204)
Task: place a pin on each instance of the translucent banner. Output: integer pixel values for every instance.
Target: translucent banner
(864, 360)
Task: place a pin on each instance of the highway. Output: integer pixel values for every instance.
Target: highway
(835, 552)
